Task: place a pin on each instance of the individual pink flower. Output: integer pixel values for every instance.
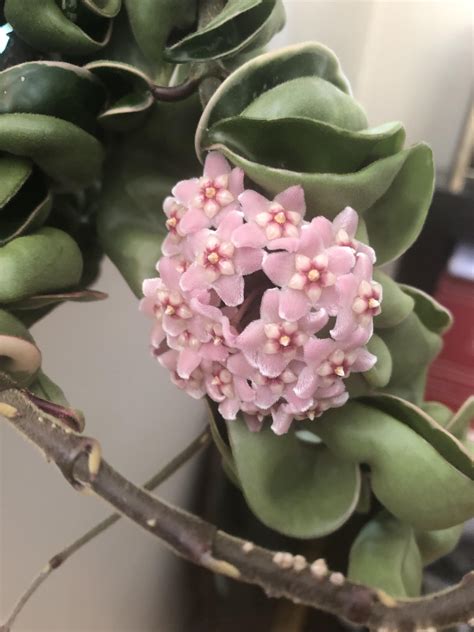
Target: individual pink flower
(359, 300)
(341, 232)
(329, 362)
(270, 343)
(210, 197)
(194, 385)
(219, 264)
(309, 275)
(175, 213)
(226, 388)
(275, 224)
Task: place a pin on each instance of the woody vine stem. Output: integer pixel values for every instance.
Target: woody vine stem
(279, 574)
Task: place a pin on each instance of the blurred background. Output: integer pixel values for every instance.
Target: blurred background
(408, 60)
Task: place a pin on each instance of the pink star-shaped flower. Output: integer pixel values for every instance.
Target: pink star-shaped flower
(210, 197)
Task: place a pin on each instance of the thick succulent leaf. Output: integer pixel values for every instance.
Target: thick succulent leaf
(105, 8)
(385, 555)
(379, 375)
(412, 347)
(140, 174)
(308, 97)
(265, 72)
(306, 145)
(380, 192)
(26, 212)
(52, 88)
(409, 476)
(152, 22)
(13, 174)
(49, 141)
(396, 304)
(431, 313)
(46, 260)
(45, 27)
(436, 544)
(458, 425)
(439, 412)
(295, 488)
(396, 219)
(20, 358)
(44, 300)
(424, 425)
(240, 26)
(129, 93)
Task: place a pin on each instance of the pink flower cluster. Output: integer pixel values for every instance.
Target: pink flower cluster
(260, 310)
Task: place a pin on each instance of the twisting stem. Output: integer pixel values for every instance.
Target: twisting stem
(176, 93)
(279, 574)
(58, 560)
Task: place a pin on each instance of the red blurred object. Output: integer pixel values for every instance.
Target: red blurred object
(451, 377)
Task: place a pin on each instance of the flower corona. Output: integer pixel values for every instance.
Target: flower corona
(266, 313)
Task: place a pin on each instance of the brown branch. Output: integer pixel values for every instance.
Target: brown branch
(60, 558)
(279, 574)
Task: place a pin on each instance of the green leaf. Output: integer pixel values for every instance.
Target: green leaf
(48, 142)
(26, 212)
(45, 300)
(297, 489)
(302, 144)
(265, 72)
(13, 174)
(52, 88)
(45, 388)
(46, 260)
(104, 8)
(436, 544)
(396, 219)
(129, 93)
(215, 424)
(19, 356)
(379, 375)
(409, 476)
(459, 423)
(445, 443)
(241, 26)
(308, 97)
(431, 313)
(385, 556)
(439, 412)
(45, 27)
(412, 347)
(396, 304)
(152, 23)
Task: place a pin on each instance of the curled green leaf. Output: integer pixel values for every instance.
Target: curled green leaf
(396, 303)
(293, 487)
(52, 88)
(48, 141)
(431, 313)
(44, 26)
(20, 358)
(46, 260)
(242, 25)
(379, 375)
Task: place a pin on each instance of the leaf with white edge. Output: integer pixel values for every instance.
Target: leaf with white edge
(242, 25)
(306, 145)
(385, 556)
(129, 93)
(409, 476)
(379, 375)
(297, 489)
(52, 88)
(424, 425)
(396, 304)
(431, 313)
(46, 28)
(412, 347)
(48, 141)
(104, 8)
(265, 72)
(43, 300)
(152, 23)
(44, 261)
(20, 358)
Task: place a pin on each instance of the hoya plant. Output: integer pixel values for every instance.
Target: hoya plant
(249, 206)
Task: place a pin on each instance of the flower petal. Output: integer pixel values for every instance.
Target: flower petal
(193, 220)
(230, 289)
(186, 190)
(269, 306)
(252, 204)
(249, 235)
(215, 165)
(292, 199)
(346, 220)
(293, 304)
(279, 267)
(188, 360)
(248, 260)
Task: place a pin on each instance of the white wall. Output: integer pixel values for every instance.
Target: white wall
(406, 60)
